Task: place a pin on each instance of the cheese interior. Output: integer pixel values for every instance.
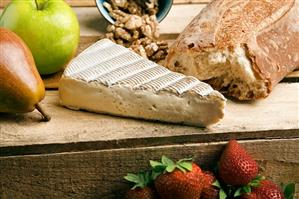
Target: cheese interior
(124, 101)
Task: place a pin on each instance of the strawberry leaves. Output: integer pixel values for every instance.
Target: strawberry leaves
(168, 165)
(157, 166)
(222, 194)
(141, 179)
(247, 188)
(185, 164)
(288, 190)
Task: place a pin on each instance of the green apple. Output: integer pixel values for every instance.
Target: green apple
(50, 28)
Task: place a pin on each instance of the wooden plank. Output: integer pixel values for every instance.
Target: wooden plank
(293, 77)
(294, 74)
(274, 117)
(91, 3)
(99, 174)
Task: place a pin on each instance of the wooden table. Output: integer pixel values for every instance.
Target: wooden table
(85, 155)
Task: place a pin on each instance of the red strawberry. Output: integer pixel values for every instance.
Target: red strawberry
(266, 190)
(141, 189)
(249, 196)
(141, 193)
(209, 190)
(181, 180)
(236, 166)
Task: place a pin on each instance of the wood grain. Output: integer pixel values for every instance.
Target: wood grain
(99, 173)
(274, 117)
(91, 3)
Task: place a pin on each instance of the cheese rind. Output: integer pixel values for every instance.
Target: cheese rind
(108, 78)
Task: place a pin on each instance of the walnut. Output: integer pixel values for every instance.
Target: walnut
(120, 16)
(110, 36)
(159, 55)
(133, 8)
(122, 33)
(147, 31)
(108, 7)
(163, 45)
(120, 42)
(151, 49)
(142, 52)
(136, 35)
(120, 3)
(110, 28)
(145, 41)
(134, 22)
(136, 27)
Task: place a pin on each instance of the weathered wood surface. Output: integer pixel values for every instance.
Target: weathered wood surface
(99, 173)
(91, 3)
(274, 117)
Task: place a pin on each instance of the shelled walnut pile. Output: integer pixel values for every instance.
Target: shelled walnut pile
(136, 27)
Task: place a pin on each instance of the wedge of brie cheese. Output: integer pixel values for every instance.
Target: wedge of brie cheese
(110, 79)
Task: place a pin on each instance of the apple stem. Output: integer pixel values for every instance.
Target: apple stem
(39, 4)
(46, 117)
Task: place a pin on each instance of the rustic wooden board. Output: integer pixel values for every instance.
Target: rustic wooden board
(274, 117)
(99, 173)
(91, 3)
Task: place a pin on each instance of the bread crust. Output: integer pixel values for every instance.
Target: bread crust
(267, 30)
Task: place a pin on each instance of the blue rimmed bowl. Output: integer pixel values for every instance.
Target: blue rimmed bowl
(164, 8)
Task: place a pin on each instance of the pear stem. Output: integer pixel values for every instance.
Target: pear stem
(46, 117)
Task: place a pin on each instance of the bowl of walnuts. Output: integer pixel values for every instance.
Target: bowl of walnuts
(111, 9)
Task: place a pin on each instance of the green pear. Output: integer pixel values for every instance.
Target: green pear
(21, 87)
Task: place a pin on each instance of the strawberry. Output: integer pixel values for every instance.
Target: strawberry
(141, 193)
(141, 189)
(180, 180)
(249, 196)
(236, 166)
(266, 190)
(209, 190)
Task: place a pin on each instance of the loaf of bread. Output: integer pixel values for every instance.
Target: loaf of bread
(241, 47)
